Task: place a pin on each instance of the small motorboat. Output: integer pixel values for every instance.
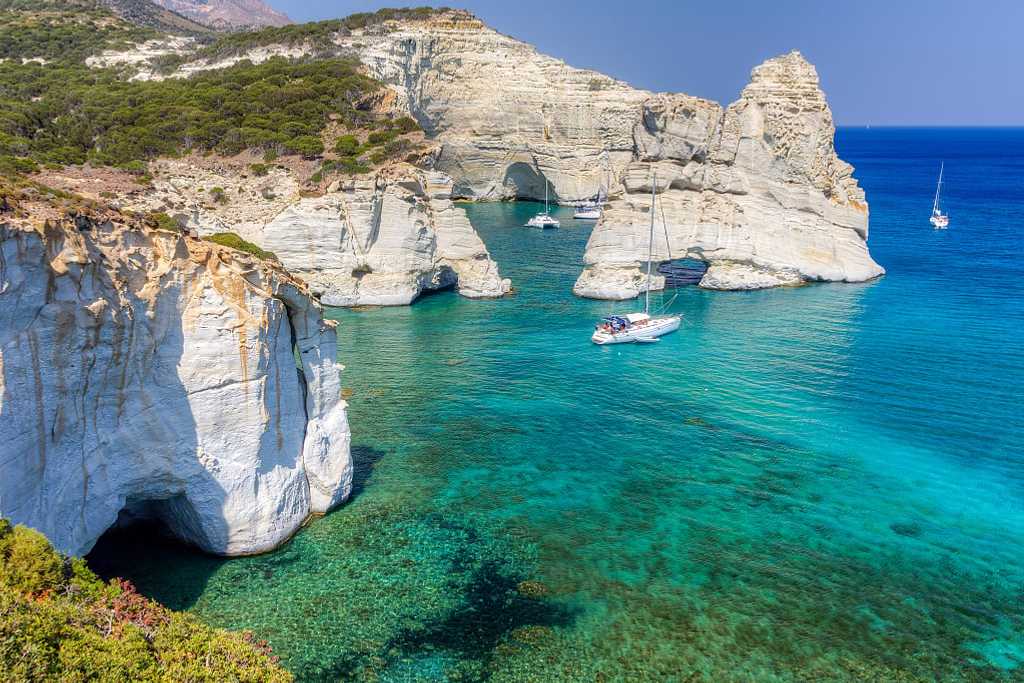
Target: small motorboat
(544, 220)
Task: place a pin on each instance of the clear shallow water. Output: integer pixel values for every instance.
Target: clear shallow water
(824, 483)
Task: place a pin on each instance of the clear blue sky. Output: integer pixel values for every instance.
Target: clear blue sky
(895, 62)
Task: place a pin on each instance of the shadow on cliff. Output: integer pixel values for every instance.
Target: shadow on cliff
(158, 521)
(528, 182)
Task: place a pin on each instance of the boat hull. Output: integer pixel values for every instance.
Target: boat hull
(657, 327)
(587, 214)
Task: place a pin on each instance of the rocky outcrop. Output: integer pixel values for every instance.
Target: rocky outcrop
(384, 240)
(227, 14)
(379, 239)
(145, 373)
(755, 190)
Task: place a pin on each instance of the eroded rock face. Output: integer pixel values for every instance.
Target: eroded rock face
(149, 374)
(383, 241)
(380, 239)
(755, 190)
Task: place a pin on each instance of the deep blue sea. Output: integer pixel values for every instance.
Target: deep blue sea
(814, 484)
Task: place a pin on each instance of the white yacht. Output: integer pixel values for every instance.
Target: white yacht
(589, 211)
(939, 220)
(544, 220)
(638, 327)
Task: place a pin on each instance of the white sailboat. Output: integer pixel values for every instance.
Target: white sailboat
(591, 210)
(544, 220)
(638, 327)
(939, 220)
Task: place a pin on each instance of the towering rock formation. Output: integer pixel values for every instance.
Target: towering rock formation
(146, 374)
(755, 189)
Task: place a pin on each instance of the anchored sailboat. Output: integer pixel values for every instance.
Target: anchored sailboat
(939, 220)
(544, 220)
(638, 327)
(591, 210)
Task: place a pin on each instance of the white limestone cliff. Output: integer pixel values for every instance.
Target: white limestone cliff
(145, 373)
(379, 239)
(754, 189)
(384, 240)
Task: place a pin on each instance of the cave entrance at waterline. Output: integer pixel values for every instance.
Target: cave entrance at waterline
(141, 539)
(527, 183)
(682, 272)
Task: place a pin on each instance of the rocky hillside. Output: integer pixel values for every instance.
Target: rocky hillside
(151, 15)
(227, 14)
(755, 189)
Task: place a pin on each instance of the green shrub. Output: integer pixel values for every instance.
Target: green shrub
(135, 167)
(406, 124)
(259, 170)
(72, 114)
(58, 621)
(381, 138)
(15, 166)
(230, 239)
(352, 166)
(218, 195)
(308, 146)
(347, 145)
(164, 222)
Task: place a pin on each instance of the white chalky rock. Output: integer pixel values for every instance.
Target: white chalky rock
(146, 373)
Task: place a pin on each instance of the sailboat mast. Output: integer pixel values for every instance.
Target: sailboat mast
(938, 189)
(650, 243)
(546, 181)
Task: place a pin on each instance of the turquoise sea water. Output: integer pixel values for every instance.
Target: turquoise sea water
(823, 483)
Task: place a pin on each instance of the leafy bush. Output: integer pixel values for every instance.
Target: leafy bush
(405, 124)
(381, 137)
(163, 222)
(347, 145)
(308, 146)
(230, 239)
(259, 170)
(59, 621)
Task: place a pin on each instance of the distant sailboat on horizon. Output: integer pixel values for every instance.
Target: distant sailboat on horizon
(939, 220)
